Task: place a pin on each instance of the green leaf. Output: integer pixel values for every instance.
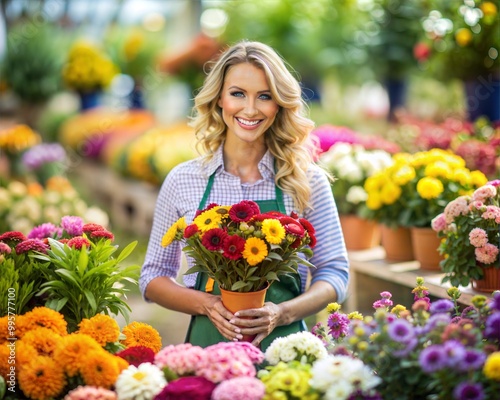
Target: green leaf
(83, 260)
(69, 275)
(239, 285)
(126, 251)
(91, 299)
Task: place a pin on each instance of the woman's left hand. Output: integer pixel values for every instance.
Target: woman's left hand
(261, 323)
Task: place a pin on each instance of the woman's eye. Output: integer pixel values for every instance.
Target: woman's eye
(237, 94)
(265, 97)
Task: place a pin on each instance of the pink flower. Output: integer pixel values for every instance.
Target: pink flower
(32, 245)
(492, 212)
(5, 248)
(477, 205)
(12, 236)
(182, 359)
(254, 353)
(486, 254)
(224, 363)
(438, 224)
(459, 206)
(72, 225)
(478, 237)
(243, 388)
(187, 388)
(90, 393)
(484, 192)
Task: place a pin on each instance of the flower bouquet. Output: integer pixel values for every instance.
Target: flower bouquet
(470, 230)
(436, 350)
(241, 249)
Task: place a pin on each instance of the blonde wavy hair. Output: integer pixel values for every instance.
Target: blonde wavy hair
(287, 139)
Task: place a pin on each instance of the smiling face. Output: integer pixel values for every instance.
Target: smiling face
(248, 108)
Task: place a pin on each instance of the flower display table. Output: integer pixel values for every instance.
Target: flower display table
(372, 274)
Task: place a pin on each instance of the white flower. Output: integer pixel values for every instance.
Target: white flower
(356, 195)
(5, 199)
(340, 390)
(140, 383)
(96, 216)
(17, 189)
(295, 347)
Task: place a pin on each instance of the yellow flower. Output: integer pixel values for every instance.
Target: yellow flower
(332, 307)
(41, 379)
(478, 178)
(141, 334)
(355, 315)
(462, 176)
(373, 202)
(255, 250)
(463, 37)
(491, 367)
(404, 175)
(171, 233)
(43, 317)
(99, 368)
(438, 169)
(43, 340)
(273, 230)
(207, 220)
(71, 349)
(489, 9)
(102, 328)
(18, 138)
(429, 188)
(390, 193)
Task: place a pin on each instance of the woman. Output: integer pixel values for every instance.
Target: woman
(249, 122)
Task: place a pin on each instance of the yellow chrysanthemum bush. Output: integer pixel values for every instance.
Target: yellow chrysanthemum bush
(417, 187)
(88, 68)
(241, 248)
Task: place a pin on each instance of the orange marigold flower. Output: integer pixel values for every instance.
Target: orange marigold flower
(43, 317)
(41, 378)
(121, 363)
(25, 352)
(44, 340)
(141, 334)
(100, 327)
(4, 329)
(4, 360)
(99, 368)
(71, 350)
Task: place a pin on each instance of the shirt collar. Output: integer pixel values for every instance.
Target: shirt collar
(216, 164)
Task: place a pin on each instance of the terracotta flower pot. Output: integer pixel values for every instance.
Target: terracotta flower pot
(236, 301)
(490, 281)
(397, 243)
(359, 233)
(425, 242)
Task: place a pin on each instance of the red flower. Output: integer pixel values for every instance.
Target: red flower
(295, 229)
(89, 228)
(210, 206)
(233, 246)
(214, 239)
(421, 51)
(307, 226)
(32, 245)
(77, 242)
(187, 388)
(313, 241)
(242, 211)
(136, 355)
(102, 234)
(12, 236)
(269, 215)
(190, 230)
(253, 205)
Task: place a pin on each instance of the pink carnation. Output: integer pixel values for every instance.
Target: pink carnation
(243, 388)
(90, 393)
(224, 363)
(484, 192)
(477, 205)
(254, 353)
(5, 248)
(486, 254)
(478, 237)
(182, 359)
(492, 212)
(459, 206)
(438, 223)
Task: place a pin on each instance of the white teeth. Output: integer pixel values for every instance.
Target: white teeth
(248, 123)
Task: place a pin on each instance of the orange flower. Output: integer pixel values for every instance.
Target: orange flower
(35, 189)
(25, 352)
(141, 334)
(59, 184)
(4, 358)
(99, 368)
(71, 350)
(121, 363)
(102, 328)
(43, 317)
(41, 378)
(43, 340)
(4, 329)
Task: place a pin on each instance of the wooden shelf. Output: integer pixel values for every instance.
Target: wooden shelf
(372, 274)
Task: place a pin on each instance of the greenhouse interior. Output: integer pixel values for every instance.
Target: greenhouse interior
(385, 285)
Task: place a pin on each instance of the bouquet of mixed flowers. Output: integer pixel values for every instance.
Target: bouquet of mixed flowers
(351, 165)
(417, 187)
(436, 350)
(240, 248)
(470, 230)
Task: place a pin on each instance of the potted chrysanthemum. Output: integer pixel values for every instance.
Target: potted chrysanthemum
(470, 228)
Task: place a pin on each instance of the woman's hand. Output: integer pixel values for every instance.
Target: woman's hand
(261, 322)
(220, 318)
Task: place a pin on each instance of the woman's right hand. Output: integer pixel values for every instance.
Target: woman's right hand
(220, 317)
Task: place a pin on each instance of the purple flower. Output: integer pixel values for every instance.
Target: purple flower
(72, 225)
(44, 231)
(492, 327)
(407, 349)
(442, 306)
(468, 391)
(495, 301)
(437, 320)
(455, 352)
(338, 324)
(401, 331)
(473, 360)
(43, 153)
(385, 301)
(432, 358)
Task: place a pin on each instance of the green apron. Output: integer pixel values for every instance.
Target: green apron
(201, 331)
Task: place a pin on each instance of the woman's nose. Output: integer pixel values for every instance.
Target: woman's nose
(250, 108)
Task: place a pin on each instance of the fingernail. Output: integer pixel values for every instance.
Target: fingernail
(235, 340)
(237, 330)
(239, 337)
(231, 321)
(236, 314)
